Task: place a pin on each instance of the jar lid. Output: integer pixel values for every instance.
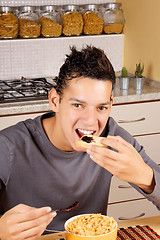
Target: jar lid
(71, 7)
(112, 5)
(90, 6)
(27, 8)
(48, 7)
(6, 9)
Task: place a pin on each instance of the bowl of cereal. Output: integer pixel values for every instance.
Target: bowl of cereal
(91, 226)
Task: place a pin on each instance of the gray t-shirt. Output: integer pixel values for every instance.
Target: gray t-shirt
(34, 172)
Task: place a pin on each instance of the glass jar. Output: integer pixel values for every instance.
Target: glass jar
(8, 23)
(72, 20)
(93, 19)
(29, 24)
(113, 18)
(50, 21)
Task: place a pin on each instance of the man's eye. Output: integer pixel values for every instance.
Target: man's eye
(102, 108)
(77, 105)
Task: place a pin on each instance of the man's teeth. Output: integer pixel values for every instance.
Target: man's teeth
(85, 131)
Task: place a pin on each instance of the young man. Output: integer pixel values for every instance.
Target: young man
(42, 168)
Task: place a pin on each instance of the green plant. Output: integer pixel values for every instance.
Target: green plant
(124, 72)
(139, 70)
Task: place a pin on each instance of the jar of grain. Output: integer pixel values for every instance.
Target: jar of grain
(29, 24)
(50, 21)
(113, 18)
(8, 23)
(93, 19)
(72, 20)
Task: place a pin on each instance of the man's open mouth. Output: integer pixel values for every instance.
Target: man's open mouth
(81, 132)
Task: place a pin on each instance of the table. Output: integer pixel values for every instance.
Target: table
(153, 222)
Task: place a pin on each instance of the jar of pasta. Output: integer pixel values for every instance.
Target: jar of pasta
(29, 24)
(50, 21)
(8, 23)
(93, 19)
(113, 18)
(72, 20)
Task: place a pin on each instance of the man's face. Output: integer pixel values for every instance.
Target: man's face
(84, 109)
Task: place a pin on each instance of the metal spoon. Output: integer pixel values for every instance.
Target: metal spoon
(74, 205)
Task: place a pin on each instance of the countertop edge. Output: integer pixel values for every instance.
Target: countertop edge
(150, 92)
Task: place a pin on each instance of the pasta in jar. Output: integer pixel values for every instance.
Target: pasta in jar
(29, 25)
(50, 21)
(113, 18)
(8, 23)
(113, 28)
(72, 21)
(93, 20)
(50, 28)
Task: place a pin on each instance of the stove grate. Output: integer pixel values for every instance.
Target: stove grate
(25, 89)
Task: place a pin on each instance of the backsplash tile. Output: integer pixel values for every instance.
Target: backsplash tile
(43, 57)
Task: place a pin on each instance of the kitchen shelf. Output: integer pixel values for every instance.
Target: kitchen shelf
(62, 36)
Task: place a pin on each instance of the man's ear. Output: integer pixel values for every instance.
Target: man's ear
(54, 100)
(111, 99)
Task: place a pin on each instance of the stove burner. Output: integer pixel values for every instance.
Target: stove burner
(41, 90)
(24, 89)
(26, 83)
(1, 93)
(28, 92)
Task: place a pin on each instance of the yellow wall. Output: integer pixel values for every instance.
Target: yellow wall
(142, 35)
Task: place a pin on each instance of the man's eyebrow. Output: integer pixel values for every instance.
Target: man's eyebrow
(76, 100)
(81, 101)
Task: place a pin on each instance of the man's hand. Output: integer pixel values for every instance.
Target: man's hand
(24, 222)
(126, 164)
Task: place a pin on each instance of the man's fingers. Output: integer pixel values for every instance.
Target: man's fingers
(23, 214)
(37, 224)
(116, 142)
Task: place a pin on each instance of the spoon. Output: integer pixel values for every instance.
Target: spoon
(74, 205)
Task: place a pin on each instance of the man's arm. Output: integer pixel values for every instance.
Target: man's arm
(125, 163)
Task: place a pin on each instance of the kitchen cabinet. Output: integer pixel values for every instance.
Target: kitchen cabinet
(138, 118)
(122, 191)
(151, 144)
(132, 210)
(11, 120)
(142, 121)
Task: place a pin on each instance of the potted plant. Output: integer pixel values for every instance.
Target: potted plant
(124, 79)
(138, 78)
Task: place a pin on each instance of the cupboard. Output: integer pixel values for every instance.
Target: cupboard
(142, 121)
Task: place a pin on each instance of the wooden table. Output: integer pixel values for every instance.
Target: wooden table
(153, 222)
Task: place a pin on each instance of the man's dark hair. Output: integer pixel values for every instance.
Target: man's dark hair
(89, 62)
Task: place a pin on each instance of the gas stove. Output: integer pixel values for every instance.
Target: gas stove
(25, 89)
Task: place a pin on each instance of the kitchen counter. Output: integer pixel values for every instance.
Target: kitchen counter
(150, 92)
(152, 222)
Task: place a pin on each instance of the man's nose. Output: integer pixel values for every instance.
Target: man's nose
(90, 116)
